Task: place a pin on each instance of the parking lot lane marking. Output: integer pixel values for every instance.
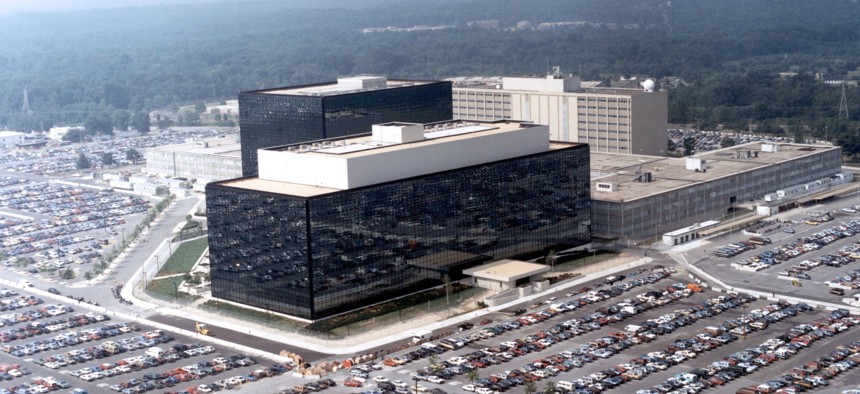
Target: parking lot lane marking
(455, 383)
(403, 371)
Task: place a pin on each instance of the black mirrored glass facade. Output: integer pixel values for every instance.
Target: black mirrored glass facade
(319, 256)
(270, 119)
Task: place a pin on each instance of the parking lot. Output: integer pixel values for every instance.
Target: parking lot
(49, 346)
(647, 333)
(50, 227)
(807, 261)
(61, 160)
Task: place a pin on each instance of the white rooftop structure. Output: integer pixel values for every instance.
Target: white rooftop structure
(346, 85)
(400, 150)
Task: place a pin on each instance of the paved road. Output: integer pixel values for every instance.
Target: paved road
(240, 338)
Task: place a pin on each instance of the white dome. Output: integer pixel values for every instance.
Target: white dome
(648, 85)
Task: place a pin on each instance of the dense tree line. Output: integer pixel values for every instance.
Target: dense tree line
(107, 67)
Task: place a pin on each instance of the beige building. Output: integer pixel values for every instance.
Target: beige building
(610, 120)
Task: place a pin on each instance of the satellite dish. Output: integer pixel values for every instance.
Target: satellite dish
(648, 85)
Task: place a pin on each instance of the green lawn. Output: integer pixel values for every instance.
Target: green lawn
(166, 288)
(184, 257)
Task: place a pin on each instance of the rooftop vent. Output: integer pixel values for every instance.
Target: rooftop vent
(607, 186)
(745, 154)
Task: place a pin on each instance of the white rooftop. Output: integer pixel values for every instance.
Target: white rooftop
(399, 150)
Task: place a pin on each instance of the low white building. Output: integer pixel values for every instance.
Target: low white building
(8, 139)
(212, 159)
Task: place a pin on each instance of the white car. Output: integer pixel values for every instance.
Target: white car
(470, 387)
(400, 383)
(380, 379)
(484, 390)
(435, 379)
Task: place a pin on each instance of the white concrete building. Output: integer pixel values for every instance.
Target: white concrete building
(212, 159)
(8, 139)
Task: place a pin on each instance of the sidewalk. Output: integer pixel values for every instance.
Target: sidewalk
(362, 343)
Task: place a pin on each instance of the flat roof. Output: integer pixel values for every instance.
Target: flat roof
(304, 190)
(699, 226)
(492, 83)
(671, 173)
(215, 146)
(363, 144)
(262, 185)
(333, 88)
(506, 270)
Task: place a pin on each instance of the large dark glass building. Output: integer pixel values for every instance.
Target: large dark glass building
(377, 231)
(349, 106)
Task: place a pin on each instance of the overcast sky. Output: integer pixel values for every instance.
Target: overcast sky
(16, 6)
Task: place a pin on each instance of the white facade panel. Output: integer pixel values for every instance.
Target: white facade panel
(306, 169)
(357, 170)
(431, 158)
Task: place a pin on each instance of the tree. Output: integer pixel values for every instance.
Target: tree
(189, 118)
(140, 122)
(530, 387)
(433, 361)
(67, 274)
(83, 162)
(200, 107)
(107, 159)
(549, 388)
(163, 123)
(850, 144)
(798, 134)
(472, 375)
(99, 123)
(76, 135)
(133, 155)
(727, 142)
(121, 119)
(689, 146)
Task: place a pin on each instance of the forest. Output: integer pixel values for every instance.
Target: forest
(91, 65)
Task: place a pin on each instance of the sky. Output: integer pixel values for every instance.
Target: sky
(18, 6)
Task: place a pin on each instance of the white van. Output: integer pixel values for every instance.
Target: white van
(155, 352)
(563, 384)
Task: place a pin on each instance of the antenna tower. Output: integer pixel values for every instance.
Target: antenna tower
(26, 108)
(843, 104)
